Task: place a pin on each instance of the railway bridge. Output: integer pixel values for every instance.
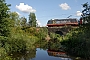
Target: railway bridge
(62, 26)
(59, 30)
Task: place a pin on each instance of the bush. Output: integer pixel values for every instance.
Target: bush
(77, 44)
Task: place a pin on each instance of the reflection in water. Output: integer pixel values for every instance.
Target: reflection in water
(43, 55)
(40, 54)
(57, 53)
(46, 51)
(27, 55)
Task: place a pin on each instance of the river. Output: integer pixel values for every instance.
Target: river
(41, 54)
(44, 51)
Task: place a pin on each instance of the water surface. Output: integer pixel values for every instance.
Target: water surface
(43, 55)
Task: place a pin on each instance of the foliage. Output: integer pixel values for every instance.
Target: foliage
(14, 38)
(4, 30)
(32, 20)
(77, 43)
(86, 12)
(21, 40)
(18, 41)
(14, 18)
(26, 55)
(54, 45)
(40, 33)
(55, 36)
(4, 48)
(23, 21)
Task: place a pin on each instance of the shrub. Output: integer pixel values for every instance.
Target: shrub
(77, 44)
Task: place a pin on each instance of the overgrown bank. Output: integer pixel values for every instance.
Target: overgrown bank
(16, 34)
(77, 43)
(21, 40)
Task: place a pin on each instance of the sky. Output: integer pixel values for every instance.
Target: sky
(47, 9)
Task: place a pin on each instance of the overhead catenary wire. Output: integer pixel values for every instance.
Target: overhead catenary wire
(53, 9)
(58, 15)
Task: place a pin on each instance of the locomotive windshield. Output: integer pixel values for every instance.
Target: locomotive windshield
(50, 22)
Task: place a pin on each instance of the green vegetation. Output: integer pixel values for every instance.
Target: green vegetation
(77, 42)
(4, 30)
(23, 21)
(15, 34)
(32, 20)
(18, 35)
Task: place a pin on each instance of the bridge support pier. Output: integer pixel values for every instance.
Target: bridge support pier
(59, 30)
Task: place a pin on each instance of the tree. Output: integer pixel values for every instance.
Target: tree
(4, 22)
(86, 13)
(23, 21)
(15, 18)
(32, 20)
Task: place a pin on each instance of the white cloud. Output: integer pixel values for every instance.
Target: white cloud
(18, 13)
(78, 13)
(38, 22)
(64, 6)
(25, 8)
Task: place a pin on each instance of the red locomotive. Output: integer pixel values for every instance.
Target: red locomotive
(63, 22)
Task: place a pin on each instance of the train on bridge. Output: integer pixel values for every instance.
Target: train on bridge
(64, 22)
